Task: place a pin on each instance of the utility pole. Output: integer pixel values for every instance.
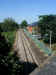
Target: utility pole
(50, 38)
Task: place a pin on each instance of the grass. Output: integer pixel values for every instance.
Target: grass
(11, 62)
(9, 36)
(48, 45)
(54, 47)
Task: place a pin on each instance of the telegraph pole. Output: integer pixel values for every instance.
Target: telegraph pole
(50, 38)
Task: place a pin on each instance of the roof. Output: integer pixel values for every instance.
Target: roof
(34, 24)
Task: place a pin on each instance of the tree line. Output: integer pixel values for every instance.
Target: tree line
(10, 24)
(47, 23)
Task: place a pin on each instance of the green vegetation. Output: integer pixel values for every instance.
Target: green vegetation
(10, 36)
(6, 61)
(47, 23)
(24, 24)
(9, 63)
(54, 46)
(9, 25)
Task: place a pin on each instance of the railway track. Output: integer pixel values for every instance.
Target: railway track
(40, 57)
(28, 52)
(29, 59)
(27, 49)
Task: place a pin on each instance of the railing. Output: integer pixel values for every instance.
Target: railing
(40, 45)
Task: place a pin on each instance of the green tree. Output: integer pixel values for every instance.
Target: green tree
(9, 24)
(24, 24)
(1, 24)
(47, 23)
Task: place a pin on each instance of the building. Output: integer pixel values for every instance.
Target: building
(33, 28)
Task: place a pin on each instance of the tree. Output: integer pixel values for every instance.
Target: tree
(24, 24)
(1, 24)
(9, 24)
(47, 23)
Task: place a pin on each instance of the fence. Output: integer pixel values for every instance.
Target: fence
(40, 45)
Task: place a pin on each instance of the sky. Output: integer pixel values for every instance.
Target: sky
(28, 10)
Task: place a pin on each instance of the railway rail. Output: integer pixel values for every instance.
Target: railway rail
(27, 49)
(39, 56)
(29, 52)
(30, 60)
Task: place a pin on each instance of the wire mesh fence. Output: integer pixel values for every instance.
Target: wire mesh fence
(39, 44)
